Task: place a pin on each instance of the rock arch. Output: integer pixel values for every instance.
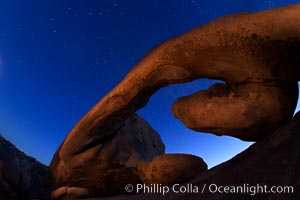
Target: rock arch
(258, 58)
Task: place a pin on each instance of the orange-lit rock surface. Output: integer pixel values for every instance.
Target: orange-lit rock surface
(106, 167)
(168, 169)
(255, 55)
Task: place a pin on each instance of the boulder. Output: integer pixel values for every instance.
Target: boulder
(111, 163)
(169, 169)
(71, 193)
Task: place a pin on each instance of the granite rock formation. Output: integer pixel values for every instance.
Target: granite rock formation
(21, 176)
(256, 56)
(111, 164)
(168, 169)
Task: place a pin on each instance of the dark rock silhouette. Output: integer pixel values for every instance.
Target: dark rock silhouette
(21, 176)
(256, 56)
(112, 166)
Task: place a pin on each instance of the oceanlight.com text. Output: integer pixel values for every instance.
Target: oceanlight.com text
(210, 188)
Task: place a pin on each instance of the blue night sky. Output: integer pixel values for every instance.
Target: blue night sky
(60, 57)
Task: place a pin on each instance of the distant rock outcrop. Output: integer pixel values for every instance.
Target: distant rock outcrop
(112, 161)
(21, 176)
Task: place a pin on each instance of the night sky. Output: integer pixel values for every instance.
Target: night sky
(58, 58)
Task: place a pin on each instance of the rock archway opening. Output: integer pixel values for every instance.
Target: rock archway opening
(180, 139)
